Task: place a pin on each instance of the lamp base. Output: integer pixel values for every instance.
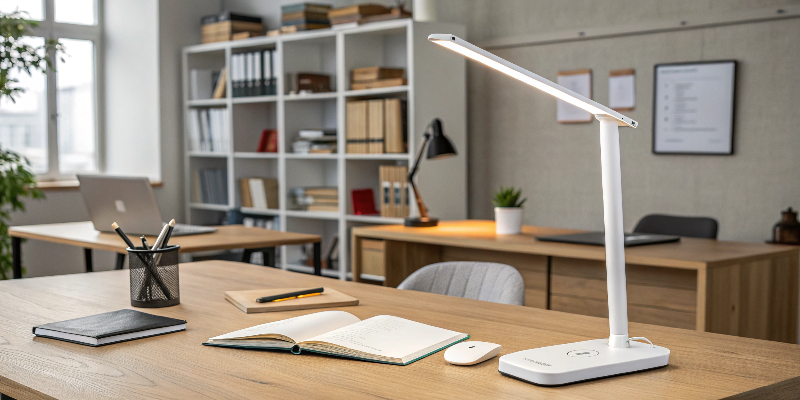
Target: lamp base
(581, 361)
(421, 222)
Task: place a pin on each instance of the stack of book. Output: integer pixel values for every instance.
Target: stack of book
(253, 73)
(206, 84)
(315, 141)
(210, 186)
(228, 26)
(394, 190)
(315, 198)
(356, 14)
(272, 224)
(259, 193)
(376, 126)
(304, 17)
(376, 77)
(207, 130)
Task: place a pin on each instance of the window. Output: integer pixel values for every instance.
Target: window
(55, 122)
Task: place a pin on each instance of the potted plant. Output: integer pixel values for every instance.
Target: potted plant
(16, 179)
(508, 211)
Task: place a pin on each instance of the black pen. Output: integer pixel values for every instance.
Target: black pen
(122, 235)
(169, 233)
(287, 296)
(144, 243)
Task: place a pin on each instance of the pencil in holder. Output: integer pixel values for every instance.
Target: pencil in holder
(154, 277)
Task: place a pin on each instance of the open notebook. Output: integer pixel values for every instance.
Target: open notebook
(383, 339)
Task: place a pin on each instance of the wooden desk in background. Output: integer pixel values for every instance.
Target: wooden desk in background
(742, 289)
(227, 237)
(178, 366)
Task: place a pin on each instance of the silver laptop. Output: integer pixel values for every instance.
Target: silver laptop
(131, 203)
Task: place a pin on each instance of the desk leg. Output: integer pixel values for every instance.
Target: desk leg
(318, 258)
(269, 257)
(16, 254)
(87, 254)
(246, 255)
(120, 261)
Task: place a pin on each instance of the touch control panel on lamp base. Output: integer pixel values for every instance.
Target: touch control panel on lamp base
(592, 359)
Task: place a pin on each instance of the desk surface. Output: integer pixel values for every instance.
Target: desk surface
(226, 237)
(702, 365)
(689, 253)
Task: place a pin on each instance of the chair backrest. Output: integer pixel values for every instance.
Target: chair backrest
(699, 227)
(498, 283)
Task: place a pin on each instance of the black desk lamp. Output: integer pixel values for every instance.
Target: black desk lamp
(440, 147)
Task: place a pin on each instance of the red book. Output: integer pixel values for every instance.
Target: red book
(268, 143)
(364, 202)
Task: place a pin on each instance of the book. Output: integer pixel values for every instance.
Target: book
(244, 192)
(268, 143)
(315, 83)
(375, 128)
(359, 9)
(374, 73)
(304, 15)
(111, 327)
(229, 16)
(323, 207)
(302, 27)
(316, 133)
(395, 122)
(245, 300)
(306, 7)
(380, 83)
(303, 21)
(219, 91)
(322, 191)
(383, 339)
(263, 193)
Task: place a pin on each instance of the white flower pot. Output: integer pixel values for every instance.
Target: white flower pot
(508, 220)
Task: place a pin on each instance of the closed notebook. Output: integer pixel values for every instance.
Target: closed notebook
(110, 327)
(383, 339)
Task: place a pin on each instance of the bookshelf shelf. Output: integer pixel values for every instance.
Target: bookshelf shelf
(207, 154)
(436, 89)
(376, 92)
(254, 155)
(255, 99)
(312, 214)
(212, 207)
(312, 156)
(310, 96)
(208, 103)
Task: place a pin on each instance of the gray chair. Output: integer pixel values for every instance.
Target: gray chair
(699, 227)
(498, 283)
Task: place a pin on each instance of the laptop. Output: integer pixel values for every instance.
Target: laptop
(131, 203)
(599, 238)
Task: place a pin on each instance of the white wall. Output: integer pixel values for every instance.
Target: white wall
(143, 40)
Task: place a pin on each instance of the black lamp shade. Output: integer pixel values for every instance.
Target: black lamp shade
(440, 146)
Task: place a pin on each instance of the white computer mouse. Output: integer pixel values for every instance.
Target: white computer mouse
(471, 353)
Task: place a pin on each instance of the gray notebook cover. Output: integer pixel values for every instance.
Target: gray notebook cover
(110, 324)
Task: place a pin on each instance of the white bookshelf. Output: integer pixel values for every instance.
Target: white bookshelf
(436, 88)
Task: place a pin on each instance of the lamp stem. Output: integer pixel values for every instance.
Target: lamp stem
(614, 232)
(423, 213)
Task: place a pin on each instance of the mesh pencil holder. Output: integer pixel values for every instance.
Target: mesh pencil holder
(154, 277)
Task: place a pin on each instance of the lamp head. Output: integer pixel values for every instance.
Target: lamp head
(440, 146)
(467, 49)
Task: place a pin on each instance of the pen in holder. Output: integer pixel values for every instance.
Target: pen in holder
(154, 276)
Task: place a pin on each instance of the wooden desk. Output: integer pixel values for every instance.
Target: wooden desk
(702, 365)
(226, 237)
(743, 289)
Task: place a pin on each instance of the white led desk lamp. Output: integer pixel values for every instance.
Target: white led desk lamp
(592, 359)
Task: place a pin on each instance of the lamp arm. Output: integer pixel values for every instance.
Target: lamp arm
(423, 213)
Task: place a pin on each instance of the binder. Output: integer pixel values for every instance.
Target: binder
(404, 209)
(251, 74)
(394, 123)
(350, 126)
(258, 86)
(386, 188)
(396, 197)
(375, 134)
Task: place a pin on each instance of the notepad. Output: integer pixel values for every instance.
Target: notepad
(384, 338)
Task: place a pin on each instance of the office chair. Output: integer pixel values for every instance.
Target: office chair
(497, 283)
(698, 227)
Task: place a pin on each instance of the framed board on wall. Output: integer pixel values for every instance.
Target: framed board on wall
(694, 108)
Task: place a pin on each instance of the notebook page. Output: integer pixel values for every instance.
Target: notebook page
(387, 336)
(297, 328)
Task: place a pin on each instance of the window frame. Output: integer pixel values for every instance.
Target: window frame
(49, 29)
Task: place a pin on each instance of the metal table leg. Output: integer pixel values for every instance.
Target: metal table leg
(87, 254)
(318, 258)
(16, 254)
(269, 257)
(120, 261)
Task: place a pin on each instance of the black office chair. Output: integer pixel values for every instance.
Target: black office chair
(698, 227)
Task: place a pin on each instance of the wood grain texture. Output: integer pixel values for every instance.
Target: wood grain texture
(689, 253)
(702, 365)
(84, 235)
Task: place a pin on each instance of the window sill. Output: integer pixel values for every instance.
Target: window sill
(65, 185)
